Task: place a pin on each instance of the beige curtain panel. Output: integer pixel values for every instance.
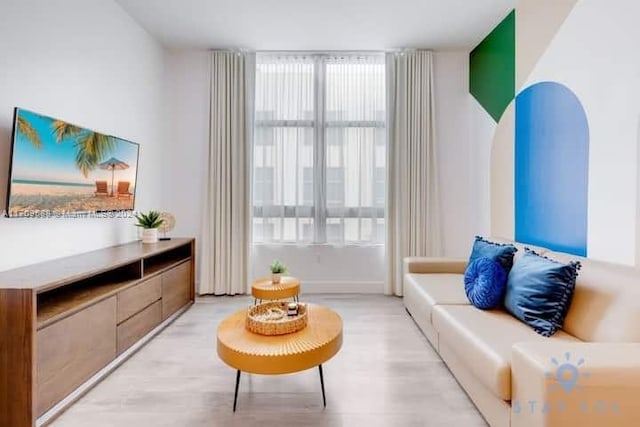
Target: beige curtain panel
(226, 228)
(412, 191)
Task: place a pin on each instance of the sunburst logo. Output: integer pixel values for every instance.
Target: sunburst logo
(567, 374)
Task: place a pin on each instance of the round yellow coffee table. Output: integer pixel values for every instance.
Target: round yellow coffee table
(280, 354)
(265, 289)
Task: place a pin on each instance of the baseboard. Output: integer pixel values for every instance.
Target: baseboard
(322, 287)
(326, 287)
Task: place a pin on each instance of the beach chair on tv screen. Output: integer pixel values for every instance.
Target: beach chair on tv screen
(101, 188)
(123, 190)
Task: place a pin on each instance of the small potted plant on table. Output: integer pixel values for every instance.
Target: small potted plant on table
(149, 224)
(277, 270)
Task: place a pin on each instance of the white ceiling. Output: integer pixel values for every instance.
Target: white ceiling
(318, 24)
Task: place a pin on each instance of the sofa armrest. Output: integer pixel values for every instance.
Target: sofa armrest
(423, 265)
(575, 384)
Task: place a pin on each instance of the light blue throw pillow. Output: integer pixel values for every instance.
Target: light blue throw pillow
(539, 291)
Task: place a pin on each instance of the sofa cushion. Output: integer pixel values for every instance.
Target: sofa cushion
(500, 252)
(484, 283)
(483, 340)
(539, 291)
(606, 301)
(435, 289)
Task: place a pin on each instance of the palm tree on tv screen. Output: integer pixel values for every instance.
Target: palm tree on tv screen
(29, 132)
(91, 146)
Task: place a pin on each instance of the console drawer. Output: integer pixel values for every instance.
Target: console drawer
(134, 299)
(131, 330)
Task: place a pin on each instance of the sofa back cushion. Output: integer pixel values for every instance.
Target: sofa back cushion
(606, 301)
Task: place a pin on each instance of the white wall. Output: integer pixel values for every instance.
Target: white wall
(187, 129)
(456, 149)
(323, 267)
(89, 63)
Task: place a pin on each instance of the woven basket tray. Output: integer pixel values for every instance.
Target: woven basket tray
(271, 318)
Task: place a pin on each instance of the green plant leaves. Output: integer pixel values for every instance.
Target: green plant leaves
(277, 267)
(149, 220)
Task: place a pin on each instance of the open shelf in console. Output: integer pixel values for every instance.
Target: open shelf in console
(165, 260)
(63, 301)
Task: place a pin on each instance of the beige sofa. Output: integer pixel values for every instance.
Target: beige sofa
(511, 373)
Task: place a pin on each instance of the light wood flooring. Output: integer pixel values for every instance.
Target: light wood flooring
(386, 374)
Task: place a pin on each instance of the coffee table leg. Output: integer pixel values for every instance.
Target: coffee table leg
(235, 396)
(324, 399)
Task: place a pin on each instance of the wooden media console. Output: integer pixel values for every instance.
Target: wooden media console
(66, 323)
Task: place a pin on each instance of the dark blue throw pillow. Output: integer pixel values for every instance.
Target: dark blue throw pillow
(502, 253)
(539, 291)
(484, 283)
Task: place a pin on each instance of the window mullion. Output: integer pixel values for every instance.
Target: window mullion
(319, 164)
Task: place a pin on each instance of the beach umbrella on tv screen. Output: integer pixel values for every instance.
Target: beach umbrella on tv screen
(112, 165)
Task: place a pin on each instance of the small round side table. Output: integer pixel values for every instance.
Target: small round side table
(265, 289)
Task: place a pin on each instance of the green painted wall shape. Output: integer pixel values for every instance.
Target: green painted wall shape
(492, 68)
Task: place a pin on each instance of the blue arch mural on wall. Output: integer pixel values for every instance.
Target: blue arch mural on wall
(551, 168)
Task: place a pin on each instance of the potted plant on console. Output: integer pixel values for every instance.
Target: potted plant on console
(149, 223)
(277, 270)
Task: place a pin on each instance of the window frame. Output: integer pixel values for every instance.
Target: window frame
(319, 171)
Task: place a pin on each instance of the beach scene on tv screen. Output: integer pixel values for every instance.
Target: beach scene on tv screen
(60, 168)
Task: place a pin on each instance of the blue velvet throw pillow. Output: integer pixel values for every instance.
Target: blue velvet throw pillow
(484, 283)
(502, 253)
(539, 291)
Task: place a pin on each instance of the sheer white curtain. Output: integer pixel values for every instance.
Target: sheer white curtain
(226, 220)
(283, 153)
(320, 149)
(355, 138)
(412, 198)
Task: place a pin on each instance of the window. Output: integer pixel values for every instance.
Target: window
(319, 149)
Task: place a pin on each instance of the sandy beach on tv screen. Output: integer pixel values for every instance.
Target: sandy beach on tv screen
(30, 199)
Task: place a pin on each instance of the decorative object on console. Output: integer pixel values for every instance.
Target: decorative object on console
(277, 270)
(502, 253)
(168, 224)
(485, 283)
(539, 291)
(271, 318)
(149, 223)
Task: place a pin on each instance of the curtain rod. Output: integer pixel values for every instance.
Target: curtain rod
(327, 51)
(315, 51)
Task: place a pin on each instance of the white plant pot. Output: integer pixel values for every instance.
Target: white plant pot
(275, 278)
(149, 235)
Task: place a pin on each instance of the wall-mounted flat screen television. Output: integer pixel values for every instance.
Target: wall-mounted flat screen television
(58, 168)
